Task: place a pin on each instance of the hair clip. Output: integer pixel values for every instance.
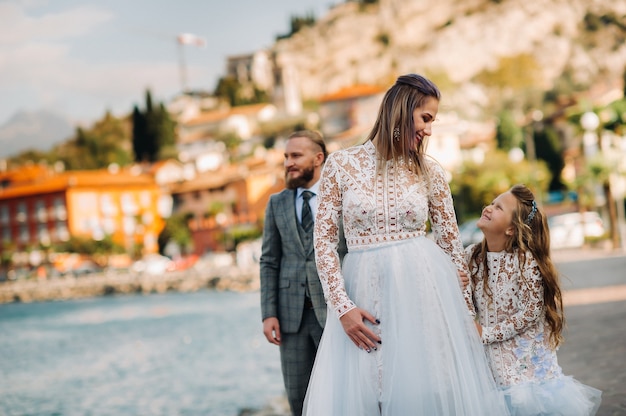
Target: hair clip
(532, 213)
(396, 134)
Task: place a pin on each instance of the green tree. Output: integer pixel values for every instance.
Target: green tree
(508, 133)
(107, 141)
(235, 93)
(177, 231)
(153, 132)
(89, 246)
(548, 148)
(513, 83)
(476, 184)
(296, 23)
(614, 117)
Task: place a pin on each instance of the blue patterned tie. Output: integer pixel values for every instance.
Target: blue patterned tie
(307, 215)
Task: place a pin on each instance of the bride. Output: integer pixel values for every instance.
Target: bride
(399, 338)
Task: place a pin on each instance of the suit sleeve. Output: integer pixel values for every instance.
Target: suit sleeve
(271, 254)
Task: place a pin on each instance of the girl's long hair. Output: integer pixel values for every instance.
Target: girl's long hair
(531, 234)
(396, 113)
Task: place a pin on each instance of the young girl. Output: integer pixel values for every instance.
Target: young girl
(519, 308)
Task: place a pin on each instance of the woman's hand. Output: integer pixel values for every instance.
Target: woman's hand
(363, 337)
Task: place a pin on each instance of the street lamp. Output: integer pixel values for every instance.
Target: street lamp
(590, 122)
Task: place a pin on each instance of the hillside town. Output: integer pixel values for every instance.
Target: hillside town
(228, 160)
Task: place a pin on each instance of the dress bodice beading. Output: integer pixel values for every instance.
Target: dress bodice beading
(378, 204)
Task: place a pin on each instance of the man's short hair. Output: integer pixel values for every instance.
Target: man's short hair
(312, 135)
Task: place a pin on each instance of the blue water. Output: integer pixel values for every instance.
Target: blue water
(173, 354)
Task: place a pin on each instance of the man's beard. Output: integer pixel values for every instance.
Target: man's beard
(297, 182)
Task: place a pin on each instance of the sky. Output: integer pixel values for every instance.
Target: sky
(81, 58)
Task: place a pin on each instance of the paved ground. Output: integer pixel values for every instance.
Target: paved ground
(594, 351)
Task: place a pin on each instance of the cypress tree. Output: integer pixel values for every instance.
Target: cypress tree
(139, 135)
(153, 131)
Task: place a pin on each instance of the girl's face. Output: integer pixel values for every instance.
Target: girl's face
(423, 118)
(497, 218)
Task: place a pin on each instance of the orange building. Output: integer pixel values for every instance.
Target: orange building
(233, 196)
(44, 207)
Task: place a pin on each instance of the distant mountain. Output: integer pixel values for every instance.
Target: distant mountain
(39, 130)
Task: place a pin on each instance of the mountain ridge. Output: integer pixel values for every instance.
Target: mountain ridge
(36, 130)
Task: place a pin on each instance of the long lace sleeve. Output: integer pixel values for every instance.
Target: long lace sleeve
(444, 224)
(527, 306)
(326, 238)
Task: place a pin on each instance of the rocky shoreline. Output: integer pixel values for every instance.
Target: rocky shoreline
(112, 283)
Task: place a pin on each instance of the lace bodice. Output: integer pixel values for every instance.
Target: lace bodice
(515, 333)
(378, 206)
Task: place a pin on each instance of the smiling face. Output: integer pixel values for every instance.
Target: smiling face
(496, 221)
(423, 118)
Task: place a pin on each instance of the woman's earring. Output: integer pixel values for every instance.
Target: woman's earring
(396, 134)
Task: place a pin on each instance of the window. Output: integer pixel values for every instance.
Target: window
(4, 215)
(60, 211)
(43, 234)
(107, 205)
(62, 232)
(129, 207)
(40, 211)
(145, 199)
(6, 235)
(22, 212)
(24, 233)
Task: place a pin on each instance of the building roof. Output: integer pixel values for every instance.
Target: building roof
(76, 179)
(207, 117)
(225, 175)
(215, 116)
(24, 173)
(355, 91)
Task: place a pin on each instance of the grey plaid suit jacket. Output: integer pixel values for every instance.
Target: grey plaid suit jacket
(286, 268)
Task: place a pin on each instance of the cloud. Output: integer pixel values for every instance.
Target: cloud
(20, 28)
(38, 68)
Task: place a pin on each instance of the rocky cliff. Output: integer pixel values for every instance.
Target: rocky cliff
(469, 47)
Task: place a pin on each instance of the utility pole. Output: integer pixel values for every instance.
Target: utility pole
(182, 40)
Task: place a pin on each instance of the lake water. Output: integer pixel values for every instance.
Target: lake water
(197, 353)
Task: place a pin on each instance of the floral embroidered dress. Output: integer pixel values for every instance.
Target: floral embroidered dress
(516, 339)
(431, 361)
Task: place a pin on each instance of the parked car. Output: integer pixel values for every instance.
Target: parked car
(570, 230)
(470, 233)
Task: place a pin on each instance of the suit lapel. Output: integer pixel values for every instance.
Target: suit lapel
(289, 202)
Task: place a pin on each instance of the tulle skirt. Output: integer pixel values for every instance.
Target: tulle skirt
(563, 396)
(431, 361)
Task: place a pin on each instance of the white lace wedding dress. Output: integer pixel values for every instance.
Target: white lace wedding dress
(431, 361)
(516, 339)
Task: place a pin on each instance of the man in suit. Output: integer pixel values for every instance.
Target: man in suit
(292, 300)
